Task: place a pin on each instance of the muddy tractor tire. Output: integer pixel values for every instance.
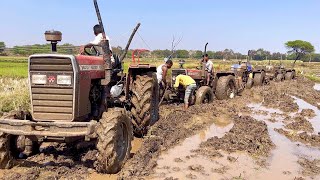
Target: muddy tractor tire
(114, 132)
(258, 79)
(249, 83)
(289, 76)
(279, 77)
(6, 158)
(226, 88)
(145, 103)
(204, 95)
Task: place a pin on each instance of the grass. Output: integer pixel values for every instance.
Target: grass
(14, 94)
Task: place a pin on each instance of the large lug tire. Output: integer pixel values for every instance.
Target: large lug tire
(279, 77)
(204, 95)
(226, 88)
(289, 76)
(6, 158)
(145, 103)
(258, 79)
(249, 84)
(114, 132)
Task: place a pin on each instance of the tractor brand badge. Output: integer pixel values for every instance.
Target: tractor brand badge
(51, 79)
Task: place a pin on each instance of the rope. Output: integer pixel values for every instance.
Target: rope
(144, 41)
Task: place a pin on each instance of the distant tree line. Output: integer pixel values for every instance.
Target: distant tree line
(297, 50)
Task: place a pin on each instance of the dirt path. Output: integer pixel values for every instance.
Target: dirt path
(269, 131)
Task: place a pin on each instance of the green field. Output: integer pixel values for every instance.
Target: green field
(17, 67)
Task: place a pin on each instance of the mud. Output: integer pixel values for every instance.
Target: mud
(300, 124)
(303, 137)
(224, 140)
(247, 135)
(308, 113)
(310, 167)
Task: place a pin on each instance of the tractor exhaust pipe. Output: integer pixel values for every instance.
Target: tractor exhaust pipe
(123, 55)
(105, 49)
(205, 49)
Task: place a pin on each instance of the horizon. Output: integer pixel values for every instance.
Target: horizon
(236, 25)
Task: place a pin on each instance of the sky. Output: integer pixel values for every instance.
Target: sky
(235, 24)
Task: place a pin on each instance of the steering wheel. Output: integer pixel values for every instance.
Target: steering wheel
(93, 51)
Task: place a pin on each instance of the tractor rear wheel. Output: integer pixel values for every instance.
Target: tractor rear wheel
(145, 103)
(114, 132)
(289, 76)
(226, 88)
(249, 83)
(279, 77)
(258, 79)
(204, 95)
(6, 158)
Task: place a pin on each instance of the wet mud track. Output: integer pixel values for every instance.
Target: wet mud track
(269, 131)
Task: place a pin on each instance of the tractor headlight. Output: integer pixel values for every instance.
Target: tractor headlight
(64, 80)
(39, 79)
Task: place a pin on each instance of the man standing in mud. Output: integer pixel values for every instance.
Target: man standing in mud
(162, 72)
(209, 67)
(189, 84)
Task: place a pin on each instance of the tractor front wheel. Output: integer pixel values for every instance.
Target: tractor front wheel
(204, 95)
(6, 158)
(145, 103)
(114, 132)
(249, 83)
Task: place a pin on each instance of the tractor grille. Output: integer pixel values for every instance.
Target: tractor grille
(50, 101)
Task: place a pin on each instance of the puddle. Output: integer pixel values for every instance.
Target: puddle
(315, 121)
(183, 151)
(317, 87)
(282, 163)
(286, 154)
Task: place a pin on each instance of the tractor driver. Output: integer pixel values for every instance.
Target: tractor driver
(209, 67)
(97, 30)
(189, 84)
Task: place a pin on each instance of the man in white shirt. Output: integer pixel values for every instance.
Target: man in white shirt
(209, 67)
(97, 40)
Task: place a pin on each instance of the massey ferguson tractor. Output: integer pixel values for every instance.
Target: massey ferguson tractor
(82, 100)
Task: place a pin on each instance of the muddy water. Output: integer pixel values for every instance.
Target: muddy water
(177, 161)
(180, 162)
(315, 121)
(283, 162)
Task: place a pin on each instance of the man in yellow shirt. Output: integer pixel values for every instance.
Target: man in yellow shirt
(189, 84)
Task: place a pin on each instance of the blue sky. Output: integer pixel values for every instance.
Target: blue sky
(236, 24)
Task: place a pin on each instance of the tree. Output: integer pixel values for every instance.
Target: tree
(182, 54)
(2, 47)
(299, 48)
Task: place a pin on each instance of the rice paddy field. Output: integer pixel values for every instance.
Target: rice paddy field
(17, 67)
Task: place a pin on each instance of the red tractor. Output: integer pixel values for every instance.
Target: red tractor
(84, 100)
(222, 84)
